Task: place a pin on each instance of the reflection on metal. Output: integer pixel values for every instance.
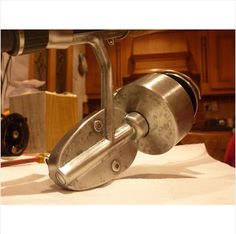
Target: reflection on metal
(167, 105)
(151, 114)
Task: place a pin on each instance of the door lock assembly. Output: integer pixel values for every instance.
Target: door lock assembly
(150, 115)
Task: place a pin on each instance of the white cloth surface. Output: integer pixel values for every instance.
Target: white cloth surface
(186, 174)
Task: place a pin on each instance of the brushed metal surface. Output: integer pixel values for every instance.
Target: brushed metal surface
(165, 105)
(92, 153)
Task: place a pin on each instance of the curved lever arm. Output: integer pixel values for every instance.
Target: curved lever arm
(100, 51)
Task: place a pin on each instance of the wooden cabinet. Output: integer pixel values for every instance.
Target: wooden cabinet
(217, 61)
(147, 51)
(206, 55)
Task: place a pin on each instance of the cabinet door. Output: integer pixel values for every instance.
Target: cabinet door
(218, 63)
(53, 66)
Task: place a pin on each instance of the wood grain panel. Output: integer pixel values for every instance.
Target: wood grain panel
(49, 117)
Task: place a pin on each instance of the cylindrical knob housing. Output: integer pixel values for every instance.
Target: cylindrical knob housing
(166, 103)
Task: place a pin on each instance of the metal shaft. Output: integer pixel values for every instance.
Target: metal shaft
(90, 158)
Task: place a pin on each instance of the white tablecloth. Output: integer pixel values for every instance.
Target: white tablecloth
(184, 175)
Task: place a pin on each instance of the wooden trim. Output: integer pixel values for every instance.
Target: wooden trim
(140, 33)
(207, 90)
(31, 67)
(51, 82)
(148, 63)
(69, 69)
(93, 96)
(170, 55)
(204, 58)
